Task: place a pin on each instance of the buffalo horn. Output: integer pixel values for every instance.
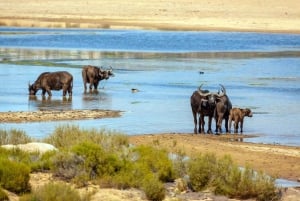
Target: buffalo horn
(199, 88)
(223, 89)
(203, 94)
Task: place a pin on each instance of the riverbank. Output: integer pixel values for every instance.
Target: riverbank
(261, 157)
(276, 160)
(219, 15)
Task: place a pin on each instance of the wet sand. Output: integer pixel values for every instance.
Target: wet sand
(56, 115)
(220, 15)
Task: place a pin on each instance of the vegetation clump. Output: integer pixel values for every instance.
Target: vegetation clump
(14, 176)
(226, 178)
(107, 159)
(14, 137)
(54, 191)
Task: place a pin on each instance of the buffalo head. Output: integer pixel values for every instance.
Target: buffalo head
(32, 89)
(208, 99)
(105, 74)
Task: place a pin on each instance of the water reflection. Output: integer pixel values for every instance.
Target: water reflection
(47, 103)
(17, 54)
(93, 99)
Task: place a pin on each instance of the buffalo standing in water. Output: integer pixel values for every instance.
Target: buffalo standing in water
(93, 75)
(223, 107)
(48, 81)
(203, 103)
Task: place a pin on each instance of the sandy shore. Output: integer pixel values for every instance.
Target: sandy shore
(278, 161)
(56, 115)
(225, 15)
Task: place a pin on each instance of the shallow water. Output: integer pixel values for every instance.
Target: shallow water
(165, 70)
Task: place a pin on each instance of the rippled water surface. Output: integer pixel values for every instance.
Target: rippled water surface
(259, 71)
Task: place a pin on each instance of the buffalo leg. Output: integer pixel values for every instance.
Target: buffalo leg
(48, 91)
(242, 124)
(202, 124)
(91, 83)
(84, 85)
(70, 91)
(226, 124)
(43, 92)
(229, 124)
(195, 122)
(209, 125)
(96, 85)
(236, 126)
(219, 123)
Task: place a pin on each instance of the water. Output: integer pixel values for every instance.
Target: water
(259, 71)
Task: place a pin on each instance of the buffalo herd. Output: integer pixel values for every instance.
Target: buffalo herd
(218, 106)
(203, 103)
(63, 80)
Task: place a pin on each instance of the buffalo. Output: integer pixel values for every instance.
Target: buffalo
(202, 103)
(48, 81)
(237, 115)
(93, 75)
(222, 109)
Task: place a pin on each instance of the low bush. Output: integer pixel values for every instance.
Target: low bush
(226, 178)
(153, 188)
(201, 171)
(13, 136)
(66, 136)
(54, 191)
(14, 176)
(156, 160)
(67, 166)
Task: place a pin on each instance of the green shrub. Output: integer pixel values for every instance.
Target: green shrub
(14, 176)
(54, 191)
(97, 162)
(228, 177)
(224, 177)
(156, 160)
(153, 188)
(201, 170)
(258, 185)
(67, 136)
(42, 162)
(179, 160)
(67, 166)
(13, 136)
(3, 195)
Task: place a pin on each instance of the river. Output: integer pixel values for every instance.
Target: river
(260, 71)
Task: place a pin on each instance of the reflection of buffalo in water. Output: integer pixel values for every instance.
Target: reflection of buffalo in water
(52, 81)
(93, 75)
(46, 103)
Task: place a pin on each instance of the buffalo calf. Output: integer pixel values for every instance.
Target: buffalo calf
(237, 115)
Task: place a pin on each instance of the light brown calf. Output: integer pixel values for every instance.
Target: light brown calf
(237, 115)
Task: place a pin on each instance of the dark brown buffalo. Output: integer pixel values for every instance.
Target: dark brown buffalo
(202, 104)
(237, 115)
(93, 75)
(48, 81)
(223, 107)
